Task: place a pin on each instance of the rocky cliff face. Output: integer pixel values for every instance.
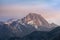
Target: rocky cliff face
(35, 19)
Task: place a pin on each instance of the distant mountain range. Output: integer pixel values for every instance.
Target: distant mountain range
(41, 35)
(25, 26)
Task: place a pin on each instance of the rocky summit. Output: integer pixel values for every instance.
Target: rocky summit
(24, 26)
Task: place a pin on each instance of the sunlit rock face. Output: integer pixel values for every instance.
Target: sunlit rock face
(35, 19)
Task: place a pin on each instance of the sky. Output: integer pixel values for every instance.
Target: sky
(49, 9)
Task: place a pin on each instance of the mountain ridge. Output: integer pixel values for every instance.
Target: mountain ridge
(23, 27)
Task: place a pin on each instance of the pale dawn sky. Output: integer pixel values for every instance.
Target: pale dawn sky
(49, 9)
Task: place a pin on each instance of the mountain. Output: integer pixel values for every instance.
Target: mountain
(36, 35)
(35, 19)
(43, 35)
(38, 22)
(15, 30)
(22, 27)
(54, 34)
(53, 25)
